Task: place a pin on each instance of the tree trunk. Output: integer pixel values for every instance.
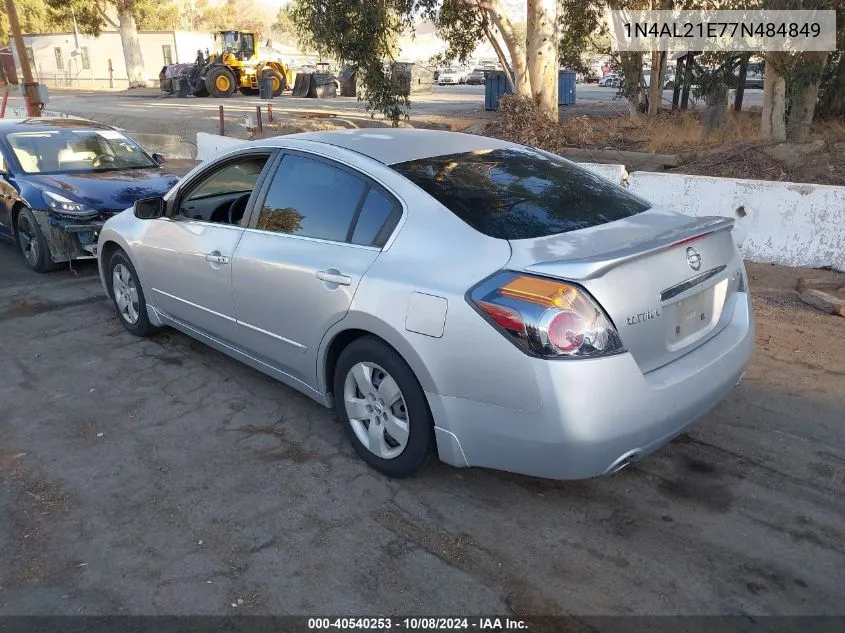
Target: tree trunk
(679, 79)
(131, 47)
(503, 59)
(516, 48)
(833, 104)
(740, 82)
(716, 102)
(632, 69)
(542, 55)
(655, 91)
(773, 126)
(688, 69)
(804, 94)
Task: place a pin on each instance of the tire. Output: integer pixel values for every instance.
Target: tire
(248, 92)
(279, 83)
(128, 297)
(33, 244)
(220, 82)
(201, 92)
(361, 393)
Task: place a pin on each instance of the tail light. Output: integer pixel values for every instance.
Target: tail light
(546, 317)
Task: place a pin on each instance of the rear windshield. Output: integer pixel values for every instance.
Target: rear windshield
(515, 194)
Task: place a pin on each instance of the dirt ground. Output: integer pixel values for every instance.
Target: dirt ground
(156, 476)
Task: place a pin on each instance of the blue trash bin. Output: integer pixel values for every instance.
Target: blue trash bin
(265, 87)
(566, 87)
(495, 85)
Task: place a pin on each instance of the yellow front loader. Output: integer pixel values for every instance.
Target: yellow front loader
(237, 66)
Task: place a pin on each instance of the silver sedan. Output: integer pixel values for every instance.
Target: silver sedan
(447, 293)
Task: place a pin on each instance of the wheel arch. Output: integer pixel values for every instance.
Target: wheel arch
(108, 244)
(17, 207)
(357, 326)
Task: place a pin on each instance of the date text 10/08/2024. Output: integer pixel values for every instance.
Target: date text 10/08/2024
(419, 624)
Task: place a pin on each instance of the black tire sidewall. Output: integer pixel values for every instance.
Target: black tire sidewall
(211, 84)
(420, 428)
(272, 72)
(45, 261)
(142, 327)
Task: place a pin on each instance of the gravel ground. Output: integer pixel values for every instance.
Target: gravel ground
(159, 477)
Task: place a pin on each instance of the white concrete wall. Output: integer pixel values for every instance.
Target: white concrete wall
(776, 222)
(614, 173)
(209, 145)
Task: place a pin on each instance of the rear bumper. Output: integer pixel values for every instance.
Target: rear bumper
(596, 415)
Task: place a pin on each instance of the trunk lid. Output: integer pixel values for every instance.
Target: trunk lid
(667, 281)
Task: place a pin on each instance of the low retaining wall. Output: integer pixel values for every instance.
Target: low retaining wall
(782, 223)
(170, 145)
(209, 145)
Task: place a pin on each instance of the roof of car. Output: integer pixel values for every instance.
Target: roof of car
(391, 146)
(49, 123)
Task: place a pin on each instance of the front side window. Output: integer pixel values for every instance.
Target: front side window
(167, 54)
(86, 61)
(60, 64)
(222, 196)
(520, 193)
(311, 199)
(76, 150)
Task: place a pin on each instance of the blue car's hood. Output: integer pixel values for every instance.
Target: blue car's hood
(106, 190)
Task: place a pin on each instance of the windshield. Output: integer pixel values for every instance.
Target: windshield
(520, 193)
(76, 151)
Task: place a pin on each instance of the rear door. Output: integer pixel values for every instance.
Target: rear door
(315, 232)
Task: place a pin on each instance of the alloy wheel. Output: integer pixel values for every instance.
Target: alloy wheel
(376, 409)
(125, 294)
(28, 238)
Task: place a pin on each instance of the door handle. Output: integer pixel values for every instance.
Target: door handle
(333, 276)
(216, 258)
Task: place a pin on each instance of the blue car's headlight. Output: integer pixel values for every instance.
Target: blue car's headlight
(61, 204)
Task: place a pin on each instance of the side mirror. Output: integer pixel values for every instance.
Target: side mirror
(149, 208)
(158, 158)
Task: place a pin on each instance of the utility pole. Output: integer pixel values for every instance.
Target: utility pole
(33, 101)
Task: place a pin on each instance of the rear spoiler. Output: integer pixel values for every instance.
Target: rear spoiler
(597, 265)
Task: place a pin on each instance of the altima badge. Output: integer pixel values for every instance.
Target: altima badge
(693, 258)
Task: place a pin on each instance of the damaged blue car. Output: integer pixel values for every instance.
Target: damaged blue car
(61, 179)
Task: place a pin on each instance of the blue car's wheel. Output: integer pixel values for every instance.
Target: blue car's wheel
(33, 244)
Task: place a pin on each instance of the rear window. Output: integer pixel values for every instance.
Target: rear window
(515, 194)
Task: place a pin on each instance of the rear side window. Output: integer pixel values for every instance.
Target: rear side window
(311, 199)
(515, 194)
(377, 219)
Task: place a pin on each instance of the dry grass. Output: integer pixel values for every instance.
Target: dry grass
(520, 121)
(830, 130)
(684, 132)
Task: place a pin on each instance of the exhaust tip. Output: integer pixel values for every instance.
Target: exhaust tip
(623, 462)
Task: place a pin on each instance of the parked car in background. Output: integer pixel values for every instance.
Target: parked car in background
(445, 292)
(754, 76)
(476, 77)
(668, 78)
(61, 179)
(452, 76)
(611, 80)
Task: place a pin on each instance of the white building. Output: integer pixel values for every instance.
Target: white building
(81, 61)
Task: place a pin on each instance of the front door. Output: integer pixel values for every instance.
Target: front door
(318, 230)
(188, 255)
